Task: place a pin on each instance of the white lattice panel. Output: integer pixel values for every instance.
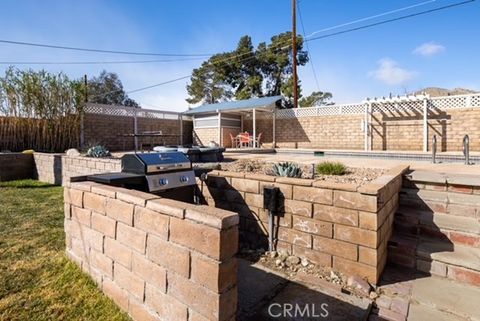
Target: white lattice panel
(352, 109)
(475, 101)
(398, 107)
(306, 112)
(449, 102)
(286, 113)
(129, 111)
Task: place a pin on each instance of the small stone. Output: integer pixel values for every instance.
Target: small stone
(273, 254)
(304, 262)
(278, 262)
(359, 284)
(292, 260)
(333, 275)
(373, 295)
(72, 152)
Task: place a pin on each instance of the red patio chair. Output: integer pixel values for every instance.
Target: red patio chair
(234, 140)
(256, 142)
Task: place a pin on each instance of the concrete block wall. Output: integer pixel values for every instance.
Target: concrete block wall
(16, 166)
(158, 259)
(203, 136)
(394, 131)
(59, 168)
(335, 225)
(106, 130)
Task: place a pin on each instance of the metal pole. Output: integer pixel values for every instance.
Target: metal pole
(271, 247)
(273, 128)
(254, 128)
(219, 128)
(369, 127)
(82, 114)
(425, 124)
(466, 149)
(365, 127)
(434, 149)
(180, 117)
(135, 129)
(294, 53)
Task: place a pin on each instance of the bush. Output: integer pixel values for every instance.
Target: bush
(98, 151)
(287, 170)
(331, 168)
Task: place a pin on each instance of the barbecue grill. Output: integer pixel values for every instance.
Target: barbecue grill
(168, 174)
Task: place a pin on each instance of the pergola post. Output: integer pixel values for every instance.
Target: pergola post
(254, 129)
(273, 128)
(180, 119)
(365, 126)
(219, 128)
(135, 129)
(425, 124)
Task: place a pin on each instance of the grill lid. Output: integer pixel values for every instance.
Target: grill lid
(148, 163)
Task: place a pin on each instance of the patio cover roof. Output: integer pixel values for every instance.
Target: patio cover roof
(247, 104)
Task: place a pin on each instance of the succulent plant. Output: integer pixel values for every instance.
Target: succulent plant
(287, 169)
(98, 151)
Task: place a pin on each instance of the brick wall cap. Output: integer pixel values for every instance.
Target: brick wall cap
(168, 207)
(336, 186)
(231, 174)
(135, 197)
(294, 181)
(465, 180)
(211, 216)
(426, 176)
(83, 186)
(398, 170)
(261, 177)
(105, 190)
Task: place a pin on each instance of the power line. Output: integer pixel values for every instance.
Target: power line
(93, 62)
(317, 38)
(390, 20)
(22, 43)
(369, 18)
(308, 47)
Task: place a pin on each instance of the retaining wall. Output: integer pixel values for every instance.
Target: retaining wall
(158, 259)
(15, 166)
(335, 225)
(58, 168)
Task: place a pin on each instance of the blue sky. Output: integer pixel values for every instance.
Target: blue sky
(438, 49)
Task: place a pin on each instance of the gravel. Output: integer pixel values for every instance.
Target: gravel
(354, 175)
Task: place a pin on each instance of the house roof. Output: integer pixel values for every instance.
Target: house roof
(254, 103)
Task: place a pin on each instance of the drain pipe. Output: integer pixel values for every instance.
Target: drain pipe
(466, 149)
(434, 149)
(270, 203)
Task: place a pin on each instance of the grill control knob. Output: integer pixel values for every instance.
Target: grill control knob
(163, 181)
(183, 179)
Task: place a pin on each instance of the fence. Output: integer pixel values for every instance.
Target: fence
(114, 126)
(397, 123)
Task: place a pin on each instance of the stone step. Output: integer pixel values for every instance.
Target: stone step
(420, 312)
(445, 296)
(451, 254)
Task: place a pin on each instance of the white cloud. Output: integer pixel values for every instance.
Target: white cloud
(390, 73)
(429, 49)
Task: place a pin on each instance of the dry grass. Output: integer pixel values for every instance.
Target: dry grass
(38, 282)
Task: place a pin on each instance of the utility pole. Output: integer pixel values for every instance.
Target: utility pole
(294, 53)
(86, 87)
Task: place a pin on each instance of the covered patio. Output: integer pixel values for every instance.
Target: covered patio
(223, 124)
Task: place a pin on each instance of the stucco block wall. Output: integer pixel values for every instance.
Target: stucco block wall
(335, 225)
(158, 259)
(106, 130)
(203, 136)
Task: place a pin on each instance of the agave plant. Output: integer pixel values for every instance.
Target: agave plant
(287, 169)
(98, 151)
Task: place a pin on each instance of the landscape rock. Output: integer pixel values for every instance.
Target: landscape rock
(292, 260)
(304, 262)
(359, 284)
(72, 152)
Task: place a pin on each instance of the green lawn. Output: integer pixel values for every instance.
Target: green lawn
(37, 281)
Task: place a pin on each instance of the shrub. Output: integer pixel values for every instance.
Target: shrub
(98, 151)
(331, 168)
(287, 170)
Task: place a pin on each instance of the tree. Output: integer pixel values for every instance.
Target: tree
(107, 89)
(247, 72)
(316, 98)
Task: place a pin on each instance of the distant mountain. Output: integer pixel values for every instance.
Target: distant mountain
(436, 91)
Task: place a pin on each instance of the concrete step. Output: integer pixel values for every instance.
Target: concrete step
(446, 297)
(451, 254)
(420, 312)
(456, 229)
